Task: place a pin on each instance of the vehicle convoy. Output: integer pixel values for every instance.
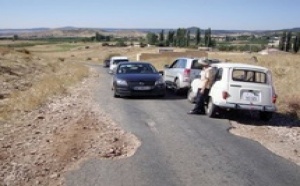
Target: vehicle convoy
(182, 72)
(239, 87)
(114, 61)
(137, 79)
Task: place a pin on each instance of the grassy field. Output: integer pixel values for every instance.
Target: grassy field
(44, 70)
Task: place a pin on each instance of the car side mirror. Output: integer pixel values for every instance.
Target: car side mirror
(167, 66)
(161, 72)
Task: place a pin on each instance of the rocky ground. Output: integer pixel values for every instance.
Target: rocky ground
(39, 146)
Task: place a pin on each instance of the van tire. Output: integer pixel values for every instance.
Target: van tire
(211, 109)
(190, 96)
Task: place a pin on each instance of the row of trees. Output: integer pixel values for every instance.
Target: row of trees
(180, 38)
(287, 43)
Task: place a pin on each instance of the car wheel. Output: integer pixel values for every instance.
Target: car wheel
(211, 109)
(191, 96)
(177, 87)
(265, 116)
(115, 93)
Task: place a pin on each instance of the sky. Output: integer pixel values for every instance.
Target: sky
(173, 14)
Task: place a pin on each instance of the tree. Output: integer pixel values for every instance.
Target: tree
(16, 37)
(170, 38)
(288, 41)
(198, 36)
(181, 37)
(151, 38)
(282, 42)
(207, 38)
(161, 36)
(296, 44)
(188, 37)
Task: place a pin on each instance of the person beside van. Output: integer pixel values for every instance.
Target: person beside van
(205, 83)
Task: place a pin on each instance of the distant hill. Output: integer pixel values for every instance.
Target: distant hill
(70, 31)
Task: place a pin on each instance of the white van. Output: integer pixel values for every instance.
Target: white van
(114, 61)
(240, 87)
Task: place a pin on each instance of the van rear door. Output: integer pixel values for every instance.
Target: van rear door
(249, 86)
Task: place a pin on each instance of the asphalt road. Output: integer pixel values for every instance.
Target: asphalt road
(180, 149)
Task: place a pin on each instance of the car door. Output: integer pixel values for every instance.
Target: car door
(170, 72)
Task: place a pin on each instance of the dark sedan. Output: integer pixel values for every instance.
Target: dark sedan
(138, 79)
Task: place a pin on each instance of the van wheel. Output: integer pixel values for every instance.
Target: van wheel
(191, 96)
(211, 109)
(265, 116)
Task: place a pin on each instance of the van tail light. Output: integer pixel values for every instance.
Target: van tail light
(186, 74)
(225, 95)
(274, 98)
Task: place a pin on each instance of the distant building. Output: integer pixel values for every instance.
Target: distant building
(219, 38)
(274, 42)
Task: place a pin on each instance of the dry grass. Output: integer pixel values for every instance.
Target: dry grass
(285, 76)
(49, 85)
(28, 80)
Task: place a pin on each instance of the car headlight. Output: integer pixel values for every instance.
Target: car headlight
(160, 81)
(121, 82)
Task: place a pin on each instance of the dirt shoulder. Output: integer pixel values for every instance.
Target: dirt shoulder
(281, 134)
(38, 147)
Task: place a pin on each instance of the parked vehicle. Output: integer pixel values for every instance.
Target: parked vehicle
(137, 79)
(240, 87)
(106, 63)
(114, 61)
(182, 72)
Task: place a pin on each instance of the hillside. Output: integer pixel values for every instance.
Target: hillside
(119, 32)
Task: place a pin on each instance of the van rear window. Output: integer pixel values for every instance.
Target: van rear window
(249, 76)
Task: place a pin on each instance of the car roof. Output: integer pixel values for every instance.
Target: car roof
(239, 65)
(137, 63)
(119, 57)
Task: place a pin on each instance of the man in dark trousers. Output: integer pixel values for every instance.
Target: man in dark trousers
(206, 80)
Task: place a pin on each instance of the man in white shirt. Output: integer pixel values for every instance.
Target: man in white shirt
(206, 81)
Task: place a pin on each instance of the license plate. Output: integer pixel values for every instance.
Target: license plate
(142, 88)
(250, 96)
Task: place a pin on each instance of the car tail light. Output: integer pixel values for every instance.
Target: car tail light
(225, 95)
(186, 74)
(274, 98)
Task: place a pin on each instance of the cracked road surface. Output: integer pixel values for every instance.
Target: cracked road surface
(179, 149)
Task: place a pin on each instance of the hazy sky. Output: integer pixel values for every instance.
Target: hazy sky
(216, 14)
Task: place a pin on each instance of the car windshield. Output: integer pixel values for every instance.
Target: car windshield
(136, 69)
(117, 61)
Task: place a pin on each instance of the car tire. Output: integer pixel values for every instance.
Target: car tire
(211, 109)
(115, 94)
(177, 89)
(265, 116)
(191, 96)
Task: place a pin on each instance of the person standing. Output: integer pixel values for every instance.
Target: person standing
(206, 81)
